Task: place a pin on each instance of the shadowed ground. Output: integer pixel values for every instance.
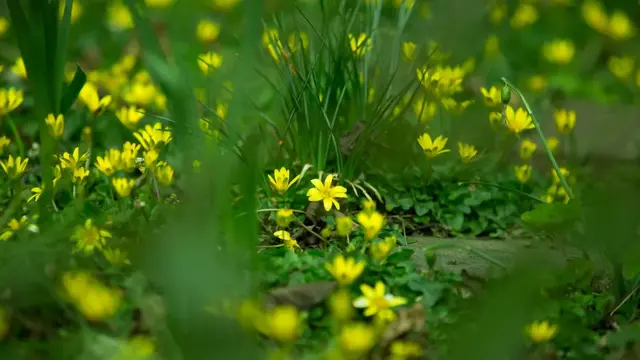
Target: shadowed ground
(463, 255)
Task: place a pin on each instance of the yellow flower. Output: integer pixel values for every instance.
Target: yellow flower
(119, 16)
(519, 120)
(36, 193)
(207, 30)
(4, 142)
(527, 149)
(556, 179)
(4, 317)
(105, 164)
(123, 186)
(164, 173)
(467, 152)
(4, 25)
(492, 96)
(378, 302)
(536, 83)
(621, 66)
(150, 158)
(381, 249)
(139, 347)
(10, 99)
(424, 110)
(326, 193)
(55, 124)
(620, 26)
(14, 167)
(158, 4)
(76, 10)
(359, 44)
(595, 16)
(153, 137)
(525, 15)
(89, 96)
(284, 217)
(116, 257)
(19, 69)
(492, 46)
(128, 156)
(86, 134)
(250, 315)
(13, 227)
(541, 331)
(283, 323)
(340, 305)
(79, 174)
(559, 51)
(289, 242)
(344, 224)
(405, 349)
(553, 143)
(94, 300)
(496, 120)
(497, 12)
(73, 161)
(140, 93)
(357, 339)
(130, 116)
(57, 174)
(455, 107)
(565, 120)
(298, 38)
(345, 271)
(209, 60)
(326, 232)
(523, 173)
(225, 5)
(280, 179)
(433, 148)
(89, 237)
(409, 50)
(368, 206)
(372, 222)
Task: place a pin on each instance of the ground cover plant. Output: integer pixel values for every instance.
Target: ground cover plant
(315, 180)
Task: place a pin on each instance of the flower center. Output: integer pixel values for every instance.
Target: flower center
(91, 236)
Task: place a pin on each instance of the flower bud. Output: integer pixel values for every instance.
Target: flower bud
(430, 257)
(505, 96)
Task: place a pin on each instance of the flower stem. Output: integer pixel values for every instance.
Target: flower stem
(16, 135)
(561, 177)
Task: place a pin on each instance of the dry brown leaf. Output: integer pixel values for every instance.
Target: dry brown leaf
(409, 320)
(348, 140)
(303, 297)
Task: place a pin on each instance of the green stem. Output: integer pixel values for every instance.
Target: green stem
(471, 250)
(16, 135)
(561, 177)
(519, 192)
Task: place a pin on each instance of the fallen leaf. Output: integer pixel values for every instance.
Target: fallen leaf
(303, 297)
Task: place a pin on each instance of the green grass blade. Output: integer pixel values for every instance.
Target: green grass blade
(71, 92)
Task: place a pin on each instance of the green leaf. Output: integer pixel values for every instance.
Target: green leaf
(625, 335)
(456, 221)
(431, 291)
(423, 208)
(60, 54)
(551, 217)
(406, 203)
(400, 256)
(72, 91)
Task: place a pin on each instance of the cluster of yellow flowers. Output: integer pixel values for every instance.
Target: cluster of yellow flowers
(356, 338)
